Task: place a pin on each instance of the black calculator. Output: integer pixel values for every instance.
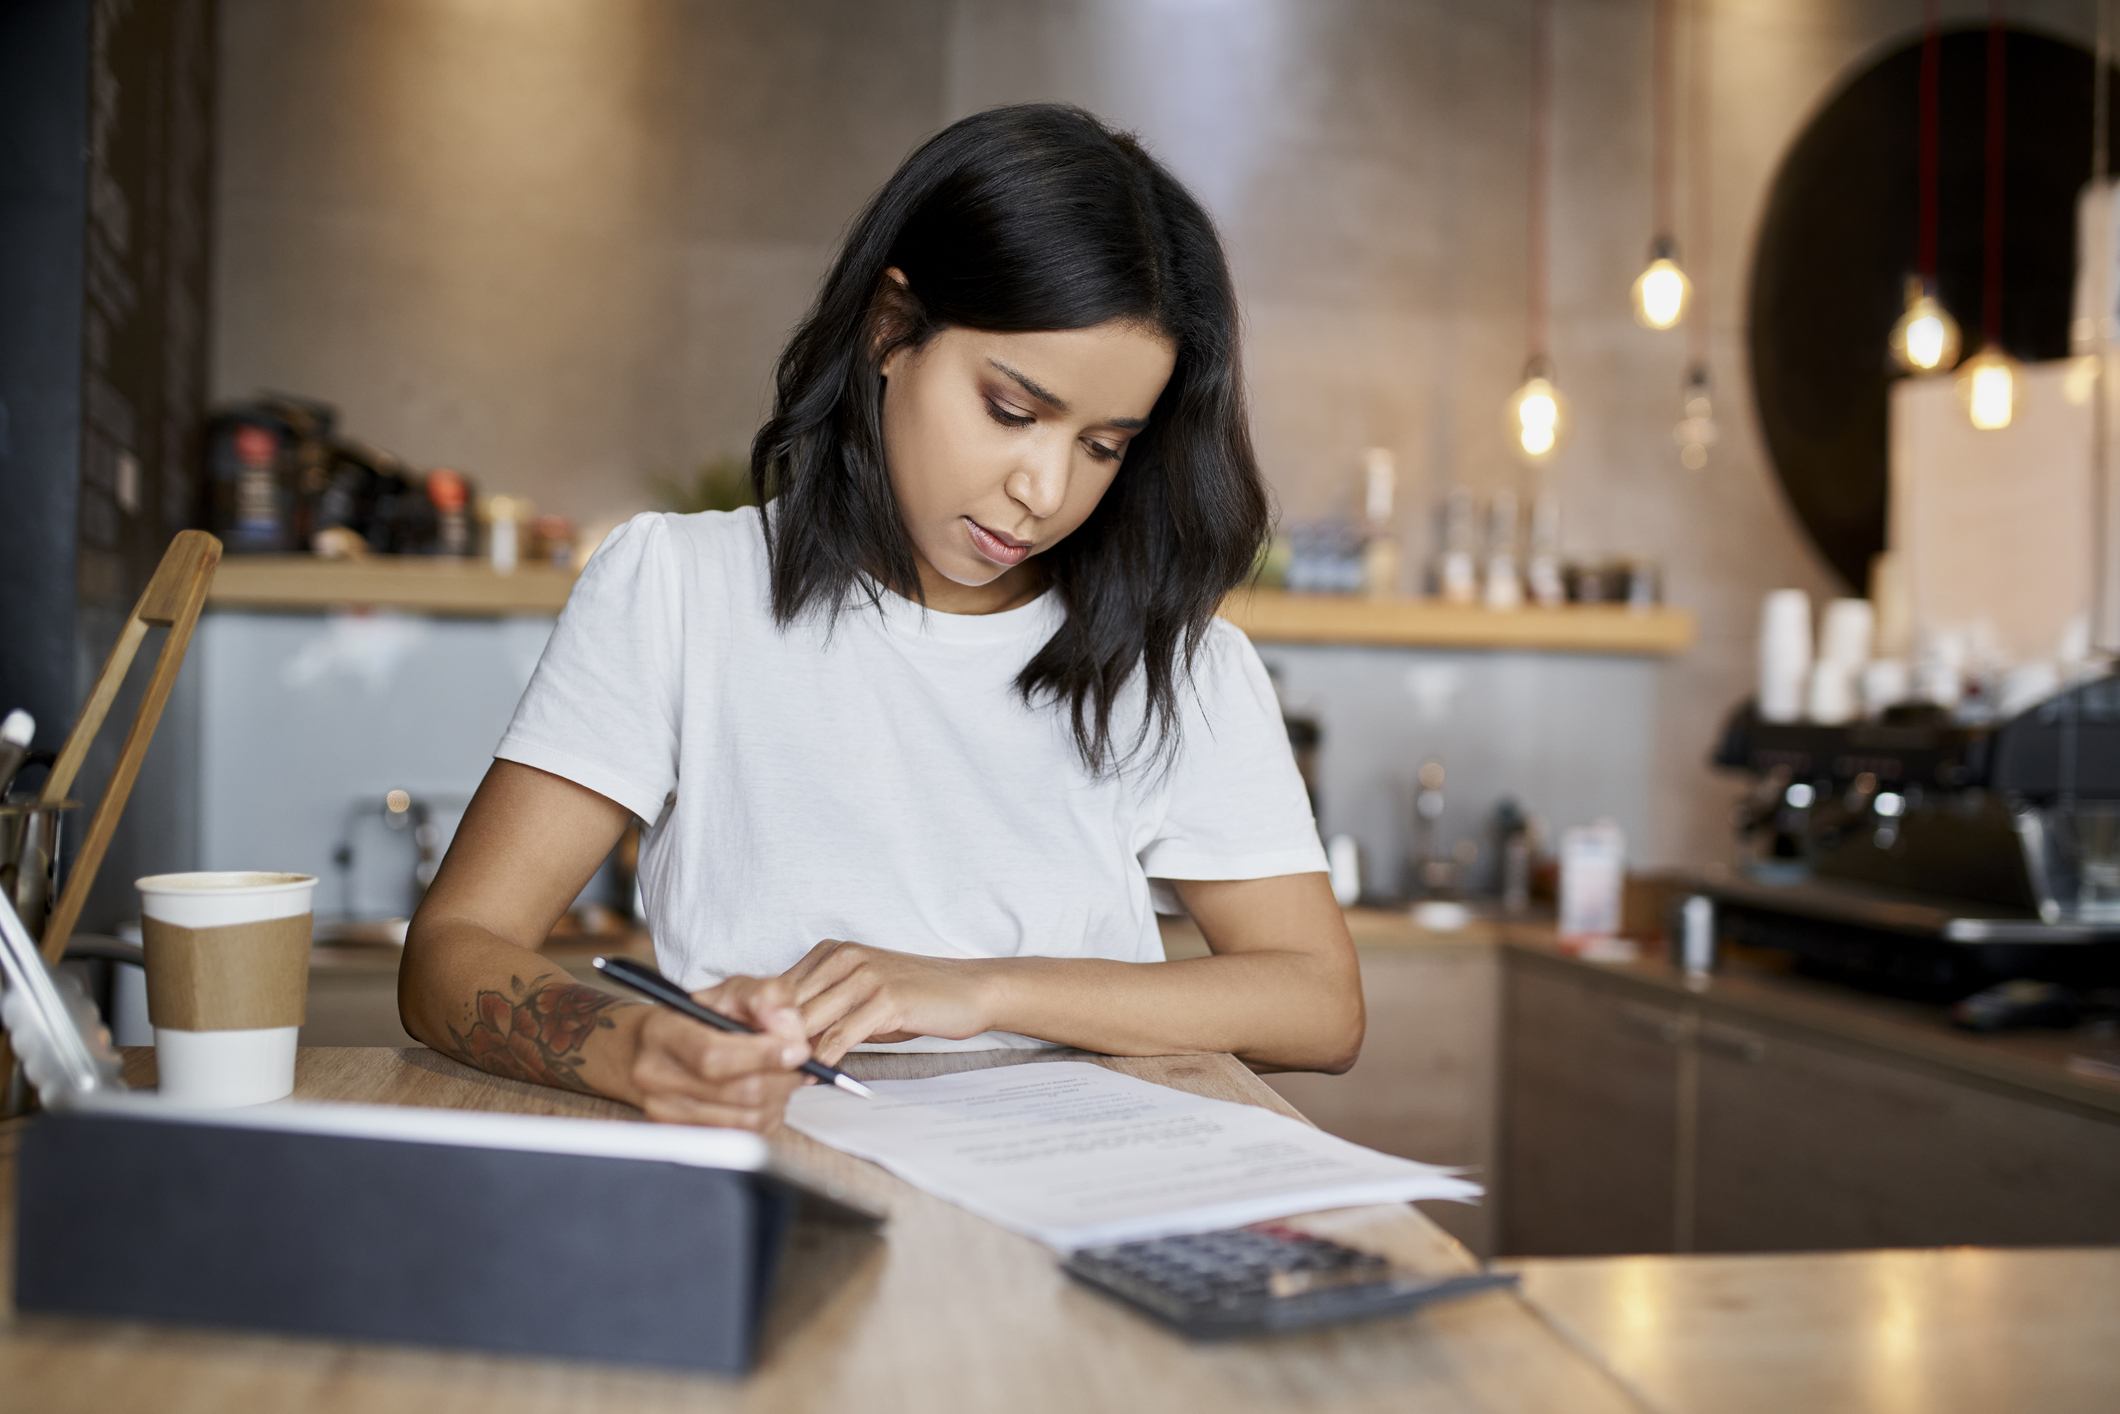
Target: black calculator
(1268, 1277)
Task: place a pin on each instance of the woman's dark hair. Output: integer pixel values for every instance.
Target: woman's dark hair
(1016, 220)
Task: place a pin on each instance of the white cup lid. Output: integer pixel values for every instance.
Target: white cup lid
(228, 881)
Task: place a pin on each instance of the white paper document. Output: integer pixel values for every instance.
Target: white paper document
(1076, 1155)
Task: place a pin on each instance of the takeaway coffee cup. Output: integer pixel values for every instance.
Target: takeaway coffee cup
(227, 976)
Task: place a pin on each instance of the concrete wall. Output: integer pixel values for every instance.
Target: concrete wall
(558, 242)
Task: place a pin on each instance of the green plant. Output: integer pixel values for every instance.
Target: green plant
(717, 484)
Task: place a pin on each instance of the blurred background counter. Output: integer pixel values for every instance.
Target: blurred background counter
(345, 711)
(1612, 1107)
(438, 585)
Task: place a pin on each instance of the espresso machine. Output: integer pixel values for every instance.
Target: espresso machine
(1924, 857)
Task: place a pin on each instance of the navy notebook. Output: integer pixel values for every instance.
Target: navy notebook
(575, 1238)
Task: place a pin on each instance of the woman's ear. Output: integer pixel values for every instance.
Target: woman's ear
(896, 318)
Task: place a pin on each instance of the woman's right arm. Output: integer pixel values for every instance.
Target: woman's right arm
(473, 985)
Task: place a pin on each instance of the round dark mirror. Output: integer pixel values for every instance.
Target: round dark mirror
(1840, 237)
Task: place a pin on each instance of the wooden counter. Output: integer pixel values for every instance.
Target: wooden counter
(1613, 1108)
(944, 1312)
(1957, 1331)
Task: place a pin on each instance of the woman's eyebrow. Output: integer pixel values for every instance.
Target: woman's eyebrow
(1043, 395)
(1058, 403)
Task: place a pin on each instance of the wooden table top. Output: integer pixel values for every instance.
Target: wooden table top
(942, 1312)
(1936, 1331)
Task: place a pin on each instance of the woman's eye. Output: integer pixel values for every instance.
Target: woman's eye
(1006, 418)
(1103, 453)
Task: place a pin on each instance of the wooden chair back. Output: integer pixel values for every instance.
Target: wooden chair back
(172, 600)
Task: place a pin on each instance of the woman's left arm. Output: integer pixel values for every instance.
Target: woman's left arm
(1282, 990)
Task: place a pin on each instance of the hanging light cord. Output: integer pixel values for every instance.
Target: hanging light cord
(1931, 115)
(1541, 137)
(1697, 190)
(1991, 234)
(2105, 630)
(1663, 101)
(2101, 99)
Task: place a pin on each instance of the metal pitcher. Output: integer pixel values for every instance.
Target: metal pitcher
(29, 857)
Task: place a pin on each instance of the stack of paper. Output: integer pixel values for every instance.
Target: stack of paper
(1075, 1155)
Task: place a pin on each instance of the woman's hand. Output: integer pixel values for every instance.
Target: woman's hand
(684, 1072)
(850, 993)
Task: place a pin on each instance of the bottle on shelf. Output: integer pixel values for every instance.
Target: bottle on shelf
(1457, 572)
(505, 518)
(450, 495)
(1380, 549)
(1543, 579)
(1503, 588)
(267, 460)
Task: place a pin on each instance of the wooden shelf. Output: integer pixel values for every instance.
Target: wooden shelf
(429, 585)
(1271, 616)
(471, 588)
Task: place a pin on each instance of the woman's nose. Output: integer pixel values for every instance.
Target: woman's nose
(1039, 482)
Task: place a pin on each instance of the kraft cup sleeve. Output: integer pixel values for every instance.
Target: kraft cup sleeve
(237, 977)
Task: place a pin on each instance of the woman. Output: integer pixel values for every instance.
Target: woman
(913, 743)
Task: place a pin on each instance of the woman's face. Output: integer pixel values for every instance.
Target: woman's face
(1000, 445)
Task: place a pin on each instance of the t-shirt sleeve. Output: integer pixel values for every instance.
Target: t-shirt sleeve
(602, 709)
(1237, 807)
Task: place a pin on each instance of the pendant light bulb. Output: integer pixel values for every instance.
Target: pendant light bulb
(1538, 415)
(1991, 388)
(1662, 290)
(1697, 432)
(1925, 340)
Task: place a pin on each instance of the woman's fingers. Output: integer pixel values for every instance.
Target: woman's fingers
(720, 1055)
(767, 1003)
(683, 1057)
(742, 996)
(814, 972)
(762, 1113)
(687, 1072)
(831, 1008)
(873, 1017)
(751, 1000)
(850, 993)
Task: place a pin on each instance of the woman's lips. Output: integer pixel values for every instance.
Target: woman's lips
(1003, 550)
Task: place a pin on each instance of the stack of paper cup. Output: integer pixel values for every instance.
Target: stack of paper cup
(1844, 633)
(1784, 654)
(227, 983)
(1844, 646)
(1939, 673)
(1886, 682)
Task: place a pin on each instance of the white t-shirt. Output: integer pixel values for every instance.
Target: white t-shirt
(884, 783)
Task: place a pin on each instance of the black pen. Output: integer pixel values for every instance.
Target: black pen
(652, 984)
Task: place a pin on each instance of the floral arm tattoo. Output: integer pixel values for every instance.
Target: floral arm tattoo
(538, 1036)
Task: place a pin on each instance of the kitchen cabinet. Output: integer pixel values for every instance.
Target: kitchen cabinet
(1638, 1117)
(1590, 1114)
(1425, 1085)
(1805, 1145)
(353, 1004)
